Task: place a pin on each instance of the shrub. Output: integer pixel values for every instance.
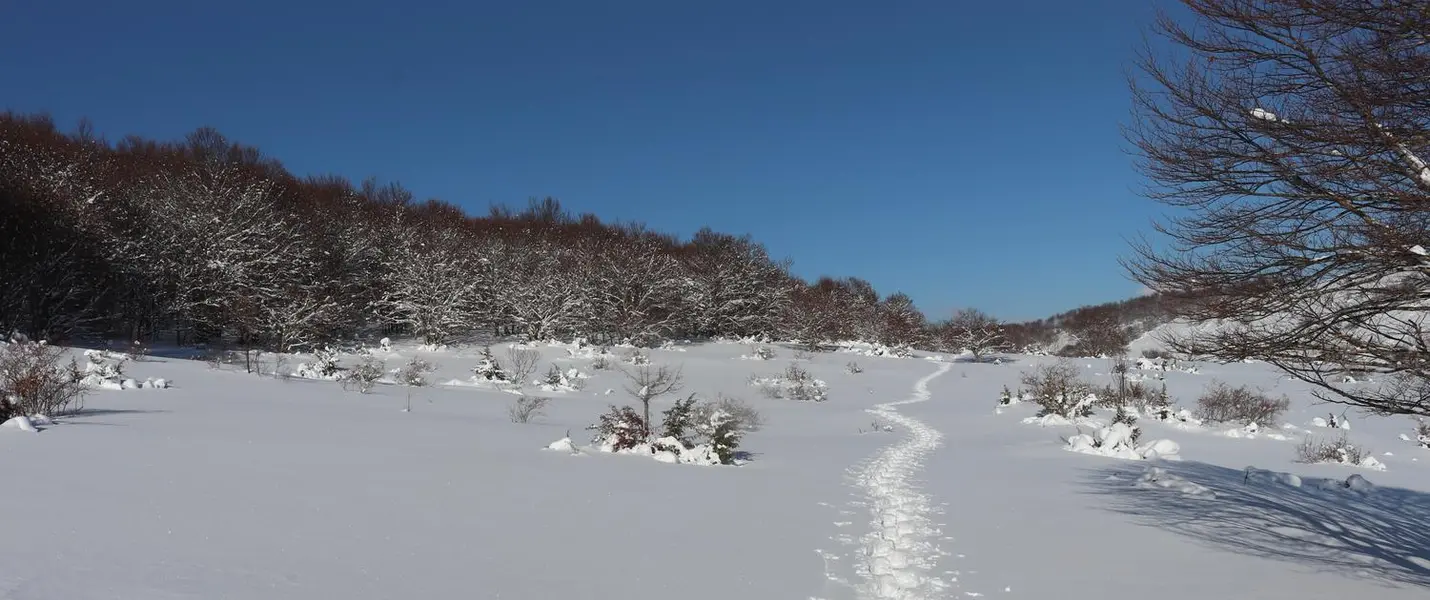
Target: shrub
(523, 364)
(554, 376)
(1340, 450)
(415, 373)
(488, 368)
(526, 408)
(601, 363)
(620, 428)
(325, 362)
(1224, 403)
(800, 385)
(1422, 433)
(33, 382)
(1058, 390)
(1126, 418)
(763, 353)
(853, 368)
(678, 421)
(743, 416)
(637, 357)
(364, 376)
(724, 436)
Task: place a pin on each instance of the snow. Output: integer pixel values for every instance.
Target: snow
(244, 486)
(21, 423)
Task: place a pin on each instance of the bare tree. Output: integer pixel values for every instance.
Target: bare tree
(1294, 137)
(648, 382)
(976, 331)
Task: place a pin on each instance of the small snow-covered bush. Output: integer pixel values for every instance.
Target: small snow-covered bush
(800, 385)
(526, 408)
(744, 417)
(1223, 403)
(569, 380)
(1337, 451)
(415, 372)
(1119, 440)
(637, 357)
(488, 368)
(760, 353)
(364, 376)
(678, 421)
(853, 368)
(33, 381)
(1422, 433)
(1058, 389)
(601, 363)
(1126, 418)
(324, 366)
(621, 428)
(795, 383)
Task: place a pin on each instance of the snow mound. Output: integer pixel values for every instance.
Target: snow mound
(1159, 478)
(21, 423)
(869, 349)
(1252, 431)
(669, 450)
(1055, 420)
(564, 445)
(1119, 441)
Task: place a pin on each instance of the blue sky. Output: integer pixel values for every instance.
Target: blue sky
(965, 153)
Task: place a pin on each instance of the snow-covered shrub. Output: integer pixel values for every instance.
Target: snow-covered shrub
(795, 383)
(569, 380)
(363, 376)
(103, 370)
(1222, 403)
(853, 368)
(601, 363)
(385, 344)
(760, 353)
(800, 385)
(34, 382)
(723, 433)
(1338, 451)
(526, 408)
(488, 369)
(637, 357)
(699, 431)
(138, 351)
(744, 416)
(414, 373)
(1126, 418)
(1422, 433)
(1058, 389)
(1119, 440)
(324, 365)
(678, 421)
(1006, 398)
(619, 429)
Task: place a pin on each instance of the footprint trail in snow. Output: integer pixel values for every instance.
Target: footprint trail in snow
(900, 551)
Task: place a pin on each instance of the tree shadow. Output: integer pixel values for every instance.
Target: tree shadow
(1378, 534)
(96, 412)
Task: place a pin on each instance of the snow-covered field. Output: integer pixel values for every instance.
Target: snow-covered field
(907, 482)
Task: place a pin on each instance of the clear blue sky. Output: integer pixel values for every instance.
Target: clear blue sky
(966, 153)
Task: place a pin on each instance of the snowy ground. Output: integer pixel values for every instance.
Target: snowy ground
(905, 483)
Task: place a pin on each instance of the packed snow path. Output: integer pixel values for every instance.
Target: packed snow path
(901, 547)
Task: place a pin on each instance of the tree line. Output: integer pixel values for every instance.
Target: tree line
(206, 240)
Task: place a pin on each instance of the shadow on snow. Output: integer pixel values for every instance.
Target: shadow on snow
(1379, 534)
